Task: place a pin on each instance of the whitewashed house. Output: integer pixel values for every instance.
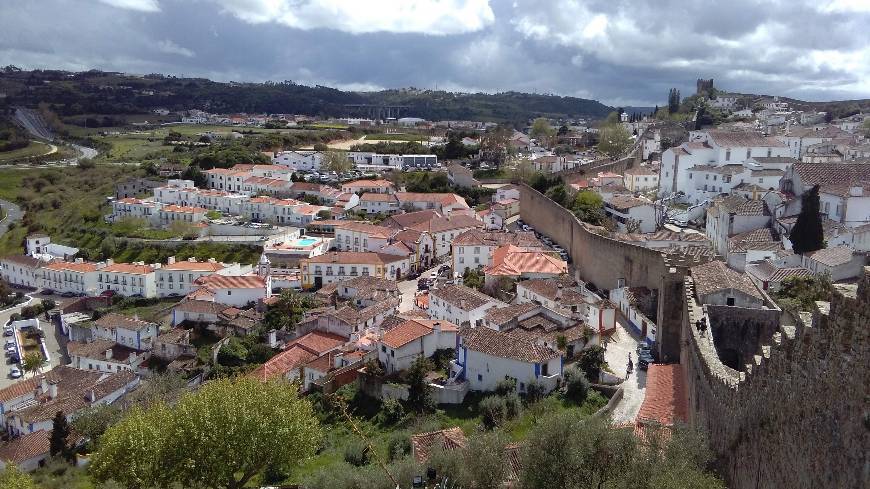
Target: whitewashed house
(401, 345)
(460, 305)
(127, 279)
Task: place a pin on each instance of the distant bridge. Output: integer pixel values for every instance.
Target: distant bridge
(372, 111)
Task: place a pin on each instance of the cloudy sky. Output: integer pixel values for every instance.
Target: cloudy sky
(622, 52)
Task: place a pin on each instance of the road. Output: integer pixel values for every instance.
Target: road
(13, 214)
(408, 289)
(32, 121)
(622, 344)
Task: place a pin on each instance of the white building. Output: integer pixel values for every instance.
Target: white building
(299, 160)
(733, 215)
(641, 179)
(239, 291)
(104, 356)
(632, 213)
(78, 277)
(124, 330)
(342, 265)
(177, 278)
(360, 236)
(844, 190)
(474, 248)
(486, 357)
(840, 263)
(128, 279)
(21, 270)
(460, 305)
(401, 345)
(378, 203)
(717, 284)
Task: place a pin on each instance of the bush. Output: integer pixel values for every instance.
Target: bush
(506, 386)
(576, 385)
(513, 405)
(356, 453)
(399, 445)
(590, 361)
(391, 412)
(493, 411)
(535, 391)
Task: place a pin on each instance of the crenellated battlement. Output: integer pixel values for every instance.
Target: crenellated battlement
(794, 415)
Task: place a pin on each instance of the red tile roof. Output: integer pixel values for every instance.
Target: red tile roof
(513, 261)
(448, 439)
(128, 268)
(71, 266)
(665, 402)
(27, 447)
(298, 352)
(232, 282)
(199, 266)
(412, 330)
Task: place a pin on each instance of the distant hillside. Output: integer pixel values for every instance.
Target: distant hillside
(95, 92)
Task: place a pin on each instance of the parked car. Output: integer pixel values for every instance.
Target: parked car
(108, 293)
(68, 294)
(8, 331)
(644, 360)
(642, 346)
(13, 359)
(423, 285)
(10, 343)
(15, 372)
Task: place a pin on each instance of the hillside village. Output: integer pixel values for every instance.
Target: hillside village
(370, 262)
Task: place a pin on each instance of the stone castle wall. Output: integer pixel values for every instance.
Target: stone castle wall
(797, 416)
(603, 261)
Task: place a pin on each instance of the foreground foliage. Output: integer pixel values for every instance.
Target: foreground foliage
(221, 436)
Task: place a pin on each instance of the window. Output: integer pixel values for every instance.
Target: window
(728, 155)
(383, 348)
(690, 175)
(769, 152)
(479, 378)
(748, 153)
(729, 301)
(229, 292)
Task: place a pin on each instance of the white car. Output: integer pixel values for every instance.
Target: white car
(15, 373)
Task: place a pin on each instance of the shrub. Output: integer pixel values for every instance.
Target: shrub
(535, 391)
(356, 453)
(513, 405)
(493, 411)
(576, 385)
(506, 386)
(398, 445)
(590, 361)
(391, 412)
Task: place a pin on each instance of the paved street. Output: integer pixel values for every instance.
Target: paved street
(13, 213)
(622, 343)
(55, 341)
(408, 289)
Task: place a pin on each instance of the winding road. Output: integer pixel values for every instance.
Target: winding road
(12, 213)
(32, 121)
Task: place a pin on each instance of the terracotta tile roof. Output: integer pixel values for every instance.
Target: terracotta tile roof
(479, 237)
(721, 170)
(756, 239)
(27, 447)
(23, 260)
(353, 257)
(459, 294)
(129, 268)
(510, 260)
(72, 266)
(297, 353)
(833, 174)
(200, 307)
(550, 288)
(743, 139)
(324, 363)
(624, 202)
(448, 439)
(412, 330)
(232, 282)
(372, 230)
(504, 345)
(440, 224)
(377, 197)
(113, 320)
(665, 402)
(832, 257)
(199, 266)
(501, 315)
(73, 386)
(368, 183)
(640, 170)
(18, 389)
(715, 276)
(184, 209)
(439, 198)
(97, 350)
(766, 271)
(409, 219)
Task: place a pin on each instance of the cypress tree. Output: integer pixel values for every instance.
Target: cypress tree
(807, 234)
(59, 433)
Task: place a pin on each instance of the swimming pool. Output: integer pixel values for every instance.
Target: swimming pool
(305, 241)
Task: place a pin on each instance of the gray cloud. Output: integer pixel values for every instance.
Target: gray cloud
(623, 52)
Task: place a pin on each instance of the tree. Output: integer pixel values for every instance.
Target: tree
(588, 207)
(673, 101)
(865, 128)
(218, 437)
(12, 478)
(801, 293)
(495, 144)
(195, 173)
(542, 131)
(287, 311)
(559, 194)
(32, 362)
(419, 394)
(576, 385)
(336, 161)
(454, 148)
(93, 421)
(86, 164)
(484, 465)
(807, 234)
(613, 140)
(523, 170)
(58, 444)
(48, 304)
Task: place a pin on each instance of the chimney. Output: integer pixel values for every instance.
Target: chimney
(558, 292)
(273, 338)
(43, 385)
(170, 260)
(91, 396)
(436, 327)
(80, 260)
(212, 260)
(52, 390)
(109, 354)
(110, 262)
(462, 304)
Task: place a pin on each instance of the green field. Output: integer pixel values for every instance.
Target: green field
(35, 148)
(396, 137)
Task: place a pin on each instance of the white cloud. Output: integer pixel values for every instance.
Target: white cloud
(140, 5)
(169, 47)
(433, 17)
